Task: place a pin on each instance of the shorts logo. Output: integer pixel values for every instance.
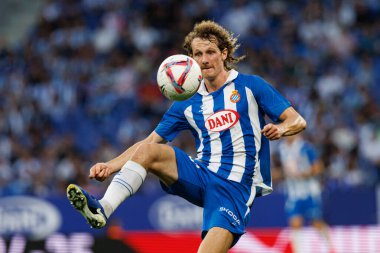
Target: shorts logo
(235, 96)
(222, 120)
(231, 214)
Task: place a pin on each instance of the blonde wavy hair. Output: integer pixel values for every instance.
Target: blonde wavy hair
(215, 33)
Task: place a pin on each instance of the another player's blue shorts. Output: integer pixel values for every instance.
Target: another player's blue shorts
(224, 201)
(308, 208)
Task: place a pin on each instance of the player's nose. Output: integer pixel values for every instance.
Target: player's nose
(204, 60)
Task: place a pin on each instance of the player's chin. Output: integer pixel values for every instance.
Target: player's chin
(209, 77)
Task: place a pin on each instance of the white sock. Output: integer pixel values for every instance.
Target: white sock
(124, 184)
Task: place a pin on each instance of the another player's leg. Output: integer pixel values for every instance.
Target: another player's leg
(323, 229)
(295, 214)
(217, 240)
(315, 211)
(296, 223)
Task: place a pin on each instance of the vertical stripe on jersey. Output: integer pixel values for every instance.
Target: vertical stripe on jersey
(250, 199)
(248, 133)
(226, 156)
(190, 118)
(214, 161)
(255, 123)
(235, 139)
(197, 111)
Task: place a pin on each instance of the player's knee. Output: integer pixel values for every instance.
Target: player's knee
(296, 222)
(145, 154)
(319, 224)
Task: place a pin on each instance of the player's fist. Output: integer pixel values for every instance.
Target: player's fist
(100, 171)
(272, 131)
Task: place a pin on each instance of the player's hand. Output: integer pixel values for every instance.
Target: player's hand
(100, 171)
(272, 131)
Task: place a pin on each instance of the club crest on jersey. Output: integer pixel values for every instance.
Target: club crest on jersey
(235, 96)
(222, 120)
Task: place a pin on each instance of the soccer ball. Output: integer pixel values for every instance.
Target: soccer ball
(179, 77)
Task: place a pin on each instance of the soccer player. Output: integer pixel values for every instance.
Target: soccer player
(302, 168)
(226, 118)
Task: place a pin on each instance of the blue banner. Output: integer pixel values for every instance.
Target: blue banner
(37, 218)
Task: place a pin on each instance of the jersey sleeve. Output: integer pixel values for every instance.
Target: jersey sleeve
(268, 98)
(172, 122)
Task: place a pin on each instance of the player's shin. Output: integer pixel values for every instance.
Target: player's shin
(124, 184)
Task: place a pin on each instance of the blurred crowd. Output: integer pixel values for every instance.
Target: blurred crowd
(80, 87)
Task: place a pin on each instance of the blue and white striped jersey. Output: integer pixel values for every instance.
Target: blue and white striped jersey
(226, 125)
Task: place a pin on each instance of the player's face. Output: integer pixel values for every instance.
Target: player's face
(209, 57)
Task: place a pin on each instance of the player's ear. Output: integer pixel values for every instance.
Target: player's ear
(224, 54)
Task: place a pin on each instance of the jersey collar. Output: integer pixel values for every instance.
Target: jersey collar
(231, 76)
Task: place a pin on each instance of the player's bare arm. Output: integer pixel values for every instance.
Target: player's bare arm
(291, 123)
(102, 170)
(316, 168)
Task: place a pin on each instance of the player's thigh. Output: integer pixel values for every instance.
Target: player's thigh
(314, 209)
(217, 240)
(158, 159)
(226, 206)
(192, 179)
(295, 213)
(319, 224)
(294, 207)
